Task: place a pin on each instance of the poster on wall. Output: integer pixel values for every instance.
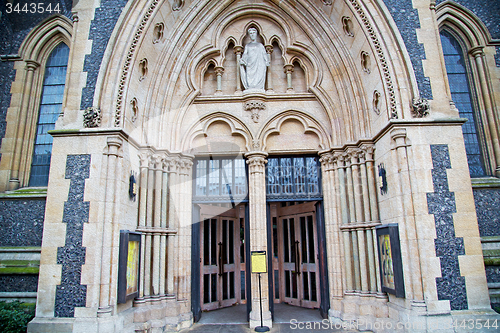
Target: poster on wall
(128, 265)
(389, 253)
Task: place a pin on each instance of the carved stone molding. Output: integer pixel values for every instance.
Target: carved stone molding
(128, 61)
(92, 117)
(255, 107)
(420, 107)
(381, 57)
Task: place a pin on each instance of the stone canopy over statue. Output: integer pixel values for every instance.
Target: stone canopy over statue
(253, 64)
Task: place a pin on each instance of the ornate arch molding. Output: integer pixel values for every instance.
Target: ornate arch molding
(461, 20)
(202, 127)
(22, 116)
(45, 37)
(275, 125)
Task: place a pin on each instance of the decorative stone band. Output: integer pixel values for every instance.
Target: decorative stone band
(451, 285)
(71, 293)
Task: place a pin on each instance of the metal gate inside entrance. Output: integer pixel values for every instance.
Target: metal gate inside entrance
(295, 254)
(222, 254)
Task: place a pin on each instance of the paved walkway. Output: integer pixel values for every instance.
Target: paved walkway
(287, 319)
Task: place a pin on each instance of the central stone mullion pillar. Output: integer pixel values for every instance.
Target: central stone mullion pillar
(258, 234)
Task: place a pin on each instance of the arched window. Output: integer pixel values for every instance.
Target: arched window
(50, 107)
(462, 96)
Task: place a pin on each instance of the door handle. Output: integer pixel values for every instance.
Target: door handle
(297, 257)
(221, 265)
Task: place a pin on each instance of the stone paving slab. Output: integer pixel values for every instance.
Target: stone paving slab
(277, 328)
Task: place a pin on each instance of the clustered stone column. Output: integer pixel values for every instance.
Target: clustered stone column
(478, 55)
(353, 173)
(15, 179)
(332, 226)
(258, 233)
(160, 211)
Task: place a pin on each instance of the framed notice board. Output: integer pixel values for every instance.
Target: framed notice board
(128, 265)
(259, 261)
(389, 254)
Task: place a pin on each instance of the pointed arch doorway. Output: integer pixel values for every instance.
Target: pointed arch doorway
(296, 234)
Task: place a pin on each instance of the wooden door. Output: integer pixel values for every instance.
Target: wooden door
(222, 268)
(297, 255)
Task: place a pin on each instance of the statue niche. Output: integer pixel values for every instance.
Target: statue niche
(253, 64)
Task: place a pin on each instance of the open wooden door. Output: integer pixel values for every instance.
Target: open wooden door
(222, 265)
(296, 256)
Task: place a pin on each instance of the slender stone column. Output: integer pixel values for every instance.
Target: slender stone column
(185, 229)
(478, 55)
(113, 153)
(352, 219)
(372, 190)
(238, 50)
(14, 181)
(143, 188)
(172, 239)
(158, 166)
(163, 225)
(342, 190)
(219, 71)
(289, 70)
(258, 234)
(269, 50)
(367, 218)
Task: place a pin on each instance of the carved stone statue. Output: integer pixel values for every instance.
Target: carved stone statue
(253, 64)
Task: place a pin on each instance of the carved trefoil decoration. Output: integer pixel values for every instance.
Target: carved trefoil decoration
(158, 32)
(347, 26)
(135, 109)
(143, 68)
(365, 62)
(376, 102)
(177, 5)
(255, 107)
(420, 107)
(328, 2)
(92, 117)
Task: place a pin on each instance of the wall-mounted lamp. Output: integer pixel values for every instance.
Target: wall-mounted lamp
(382, 180)
(132, 188)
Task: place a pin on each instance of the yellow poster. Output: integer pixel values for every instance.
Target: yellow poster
(132, 266)
(259, 262)
(386, 260)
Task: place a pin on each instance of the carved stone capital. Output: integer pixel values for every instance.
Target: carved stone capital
(219, 70)
(269, 49)
(256, 161)
(477, 51)
(238, 50)
(31, 65)
(288, 69)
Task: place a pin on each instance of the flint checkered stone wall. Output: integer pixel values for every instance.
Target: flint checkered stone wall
(406, 18)
(441, 203)
(21, 222)
(487, 207)
(70, 293)
(100, 31)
